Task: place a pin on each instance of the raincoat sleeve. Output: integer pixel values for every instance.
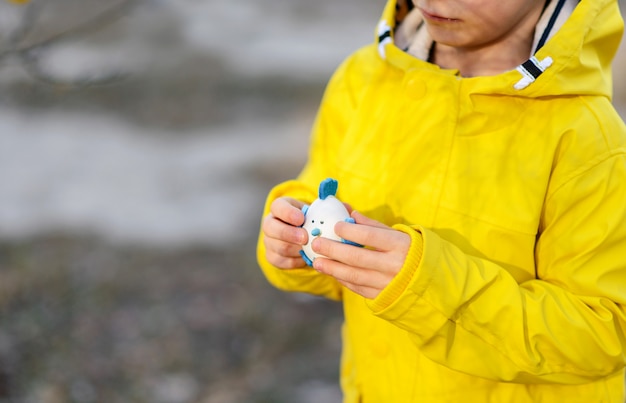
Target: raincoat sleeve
(330, 123)
(567, 326)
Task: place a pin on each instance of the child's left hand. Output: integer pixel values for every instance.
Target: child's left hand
(366, 271)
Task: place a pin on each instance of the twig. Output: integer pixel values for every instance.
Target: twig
(28, 54)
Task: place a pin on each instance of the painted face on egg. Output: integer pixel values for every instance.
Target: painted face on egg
(320, 220)
(321, 216)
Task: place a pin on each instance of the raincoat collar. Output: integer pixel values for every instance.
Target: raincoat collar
(574, 47)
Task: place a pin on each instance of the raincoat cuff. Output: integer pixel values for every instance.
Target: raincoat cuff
(399, 284)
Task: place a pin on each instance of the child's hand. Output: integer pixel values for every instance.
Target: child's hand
(283, 236)
(366, 271)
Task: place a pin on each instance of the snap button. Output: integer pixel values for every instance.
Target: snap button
(415, 88)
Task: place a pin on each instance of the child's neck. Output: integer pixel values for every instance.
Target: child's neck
(485, 61)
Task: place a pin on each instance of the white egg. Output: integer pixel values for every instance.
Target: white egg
(320, 219)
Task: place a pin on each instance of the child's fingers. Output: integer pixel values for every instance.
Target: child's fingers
(367, 292)
(282, 248)
(358, 232)
(288, 210)
(348, 207)
(354, 256)
(284, 262)
(379, 237)
(361, 219)
(276, 229)
(357, 279)
(284, 254)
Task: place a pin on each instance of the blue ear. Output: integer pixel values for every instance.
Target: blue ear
(328, 187)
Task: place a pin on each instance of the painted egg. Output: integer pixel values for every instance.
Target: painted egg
(321, 216)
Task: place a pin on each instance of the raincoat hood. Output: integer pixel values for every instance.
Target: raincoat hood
(567, 64)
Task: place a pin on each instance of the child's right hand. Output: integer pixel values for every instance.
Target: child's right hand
(284, 236)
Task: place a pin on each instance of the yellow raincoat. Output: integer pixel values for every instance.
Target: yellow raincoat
(514, 289)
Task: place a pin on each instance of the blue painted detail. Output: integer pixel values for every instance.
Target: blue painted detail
(351, 243)
(306, 259)
(351, 221)
(328, 187)
(305, 209)
(316, 232)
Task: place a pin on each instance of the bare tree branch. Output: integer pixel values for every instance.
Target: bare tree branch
(30, 54)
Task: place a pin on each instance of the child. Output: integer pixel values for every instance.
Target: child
(478, 142)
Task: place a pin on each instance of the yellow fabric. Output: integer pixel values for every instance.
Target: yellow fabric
(514, 289)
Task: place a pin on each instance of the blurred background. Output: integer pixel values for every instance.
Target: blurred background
(138, 140)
